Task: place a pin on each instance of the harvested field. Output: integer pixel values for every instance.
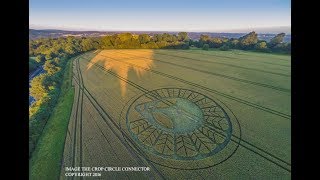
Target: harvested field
(188, 114)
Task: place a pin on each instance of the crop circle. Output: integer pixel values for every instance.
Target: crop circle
(182, 128)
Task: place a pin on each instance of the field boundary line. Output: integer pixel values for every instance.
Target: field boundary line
(81, 119)
(75, 127)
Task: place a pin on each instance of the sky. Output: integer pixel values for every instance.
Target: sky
(160, 15)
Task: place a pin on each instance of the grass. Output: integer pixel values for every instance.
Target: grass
(45, 162)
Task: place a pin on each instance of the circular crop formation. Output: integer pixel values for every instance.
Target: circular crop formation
(181, 128)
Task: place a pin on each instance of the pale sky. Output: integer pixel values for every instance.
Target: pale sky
(164, 15)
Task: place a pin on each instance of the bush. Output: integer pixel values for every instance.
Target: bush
(224, 48)
(205, 47)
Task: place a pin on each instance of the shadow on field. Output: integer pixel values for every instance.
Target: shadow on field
(121, 63)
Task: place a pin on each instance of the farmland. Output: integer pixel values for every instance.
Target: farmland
(184, 113)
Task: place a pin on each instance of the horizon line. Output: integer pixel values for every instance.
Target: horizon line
(204, 31)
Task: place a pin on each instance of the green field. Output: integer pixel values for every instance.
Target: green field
(139, 108)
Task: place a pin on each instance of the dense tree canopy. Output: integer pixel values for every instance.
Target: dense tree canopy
(128, 40)
(38, 90)
(144, 38)
(51, 67)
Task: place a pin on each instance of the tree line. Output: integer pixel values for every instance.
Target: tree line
(53, 54)
(49, 48)
(249, 41)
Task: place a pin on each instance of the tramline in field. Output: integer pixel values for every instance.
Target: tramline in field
(219, 114)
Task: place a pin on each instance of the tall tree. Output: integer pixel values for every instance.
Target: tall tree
(249, 40)
(278, 39)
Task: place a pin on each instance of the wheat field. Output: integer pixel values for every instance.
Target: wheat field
(186, 114)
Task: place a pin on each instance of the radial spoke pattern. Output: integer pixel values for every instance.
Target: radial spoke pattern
(209, 135)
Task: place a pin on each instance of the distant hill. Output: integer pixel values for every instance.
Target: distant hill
(266, 37)
(54, 33)
(267, 30)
